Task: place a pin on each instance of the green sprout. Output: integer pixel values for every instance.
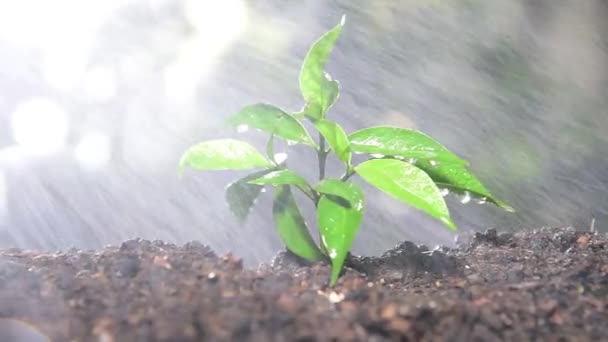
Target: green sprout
(404, 163)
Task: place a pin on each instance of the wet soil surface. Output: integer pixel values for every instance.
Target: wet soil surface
(549, 284)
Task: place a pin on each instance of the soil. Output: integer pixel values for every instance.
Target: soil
(548, 284)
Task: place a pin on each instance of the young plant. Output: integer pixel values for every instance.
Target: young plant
(403, 163)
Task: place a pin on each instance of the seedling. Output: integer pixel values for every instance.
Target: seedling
(403, 163)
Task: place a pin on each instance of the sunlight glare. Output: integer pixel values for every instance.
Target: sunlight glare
(40, 126)
(93, 150)
(217, 24)
(63, 31)
(63, 68)
(100, 83)
(44, 24)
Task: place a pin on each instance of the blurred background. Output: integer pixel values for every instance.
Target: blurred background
(99, 98)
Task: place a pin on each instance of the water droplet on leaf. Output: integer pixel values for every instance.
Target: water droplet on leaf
(482, 200)
(377, 155)
(412, 160)
(433, 162)
(333, 253)
(444, 192)
(291, 142)
(466, 198)
(280, 157)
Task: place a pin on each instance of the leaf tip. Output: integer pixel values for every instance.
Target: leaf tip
(183, 163)
(449, 223)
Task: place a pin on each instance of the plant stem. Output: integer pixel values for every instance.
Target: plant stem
(310, 193)
(322, 156)
(270, 149)
(349, 172)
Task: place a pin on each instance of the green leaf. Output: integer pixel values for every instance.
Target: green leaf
(223, 154)
(281, 177)
(407, 183)
(396, 141)
(274, 120)
(241, 195)
(270, 148)
(457, 178)
(335, 137)
(316, 85)
(284, 177)
(338, 225)
(310, 110)
(331, 92)
(291, 225)
(335, 188)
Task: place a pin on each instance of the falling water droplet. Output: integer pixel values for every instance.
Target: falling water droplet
(412, 160)
(466, 198)
(444, 192)
(280, 157)
(433, 162)
(482, 200)
(377, 155)
(242, 128)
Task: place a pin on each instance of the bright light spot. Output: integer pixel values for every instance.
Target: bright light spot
(100, 83)
(217, 24)
(242, 128)
(93, 150)
(217, 21)
(280, 157)
(63, 69)
(40, 126)
(42, 23)
(181, 79)
(134, 67)
(62, 31)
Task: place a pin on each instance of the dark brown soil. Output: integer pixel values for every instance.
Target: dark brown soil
(549, 285)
